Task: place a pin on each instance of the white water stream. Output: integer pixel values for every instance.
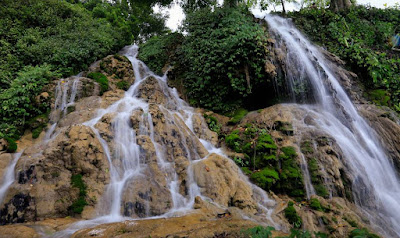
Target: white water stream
(9, 176)
(376, 186)
(66, 91)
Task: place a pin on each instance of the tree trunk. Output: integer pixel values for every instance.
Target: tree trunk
(338, 5)
(283, 7)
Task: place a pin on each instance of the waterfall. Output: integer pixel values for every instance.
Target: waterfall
(126, 158)
(65, 95)
(375, 179)
(9, 176)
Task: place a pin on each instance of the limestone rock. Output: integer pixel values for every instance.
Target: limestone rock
(387, 125)
(43, 185)
(220, 180)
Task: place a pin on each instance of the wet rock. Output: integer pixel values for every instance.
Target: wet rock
(44, 179)
(152, 92)
(118, 70)
(386, 124)
(196, 224)
(5, 159)
(18, 231)
(19, 209)
(3, 145)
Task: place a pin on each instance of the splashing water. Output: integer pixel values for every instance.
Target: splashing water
(376, 186)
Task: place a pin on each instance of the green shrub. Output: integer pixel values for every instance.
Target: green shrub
(212, 123)
(233, 140)
(43, 40)
(292, 216)
(224, 57)
(18, 101)
(101, 79)
(159, 51)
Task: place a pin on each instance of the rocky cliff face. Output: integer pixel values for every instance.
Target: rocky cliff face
(67, 170)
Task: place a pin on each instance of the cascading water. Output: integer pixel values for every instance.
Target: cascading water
(9, 176)
(125, 155)
(376, 186)
(66, 91)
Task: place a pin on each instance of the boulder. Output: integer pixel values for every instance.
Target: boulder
(219, 179)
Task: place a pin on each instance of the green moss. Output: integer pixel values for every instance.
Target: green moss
(265, 178)
(315, 204)
(101, 79)
(292, 216)
(123, 85)
(291, 177)
(350, 221)
(266, 144)
(238, 116)
(80, 203)
(12, 145)
(316, 178)
(289, 152)
(306, 147)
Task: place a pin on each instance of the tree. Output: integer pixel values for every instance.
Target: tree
(337, 5)
(266, 3)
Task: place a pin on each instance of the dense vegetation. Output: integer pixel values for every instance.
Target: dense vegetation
(361, 37)
(41, 40)
(220, 61)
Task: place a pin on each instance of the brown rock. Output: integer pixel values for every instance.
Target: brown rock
(220, 180)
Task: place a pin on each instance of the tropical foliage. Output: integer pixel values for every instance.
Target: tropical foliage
(361, 37)
(44, 39)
